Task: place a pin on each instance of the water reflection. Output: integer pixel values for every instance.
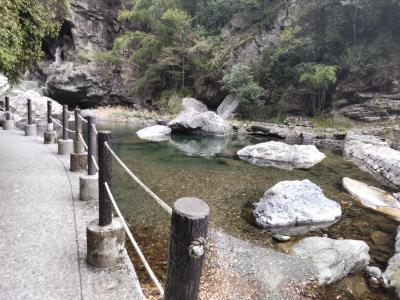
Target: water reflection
(200, 146)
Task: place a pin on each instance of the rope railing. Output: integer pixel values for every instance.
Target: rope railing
(83, 119)
(189, 218)
(83, 141)
(164, 205)
(134, 243)
(61, 126)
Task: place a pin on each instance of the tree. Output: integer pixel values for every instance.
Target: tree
(319, 79)
(24, 25)
(240, 82)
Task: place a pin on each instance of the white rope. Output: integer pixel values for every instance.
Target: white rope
(60, 125)
(83, 141)
(95, 130)
(82, 118)
(134, 243)
(138, 181)
(95, 163)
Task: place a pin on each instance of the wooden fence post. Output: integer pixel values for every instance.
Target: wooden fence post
(7, 104)
(78, 128)
(65, 122)
(7, 109)
(49, 113)
(91, 144)
(189, 225)
(105, 173)
(29, 112)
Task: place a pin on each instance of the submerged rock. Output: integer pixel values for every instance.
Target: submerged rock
(295, 207)
(375, 157)
(333, 259)
(373, 197)
(156, 133)
(282, 155)
(195, 118)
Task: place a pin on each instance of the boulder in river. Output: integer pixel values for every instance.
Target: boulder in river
(295, 207)
(333, 259)
(375, 157)
(156, 133)
(195, 118)
(392, 273)
(281, 155)
(373, 197)
(227, 107)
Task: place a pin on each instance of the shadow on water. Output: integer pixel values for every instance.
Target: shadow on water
(208, 168)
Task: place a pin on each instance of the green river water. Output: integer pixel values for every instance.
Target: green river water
(209, 169)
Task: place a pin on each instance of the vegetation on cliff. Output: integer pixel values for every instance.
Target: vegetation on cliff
(24, 24)
(185, 48)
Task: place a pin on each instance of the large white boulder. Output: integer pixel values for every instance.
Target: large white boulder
(18, 105)
(373, 197)
(195, 118)
(281, 155)
(333, 259)
(156, 133)
(293, 204)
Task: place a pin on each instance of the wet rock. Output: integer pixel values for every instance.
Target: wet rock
(195, 118)
(391, 276)
(380, 238)
(281, 238)
(282, 155)
(156, 133)
(290, 204)
(376, 157)
(373, 272)
(372, 197)
(227, 107)
(333, 259)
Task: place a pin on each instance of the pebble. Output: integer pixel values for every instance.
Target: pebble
(281, 238)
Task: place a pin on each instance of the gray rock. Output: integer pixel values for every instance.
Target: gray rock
(374, 272)
(156, 133)
(195, 118)
(392, 273)
(333, 259)
(291, 204)
(282, 155)
(227, 107)
(374, 156)
(281, 237)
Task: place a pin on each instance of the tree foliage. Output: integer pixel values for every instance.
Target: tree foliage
(240, 82)
(24, 25)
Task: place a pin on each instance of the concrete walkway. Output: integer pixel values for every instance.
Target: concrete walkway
(42, 229)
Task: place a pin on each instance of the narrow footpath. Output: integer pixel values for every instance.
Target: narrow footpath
(43, 229)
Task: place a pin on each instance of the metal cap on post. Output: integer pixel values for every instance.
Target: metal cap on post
(29, 112)
(92, 141)
(189, 225)
(65, 122)
(105, 171)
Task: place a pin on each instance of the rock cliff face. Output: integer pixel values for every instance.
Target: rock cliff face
(71, 78)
